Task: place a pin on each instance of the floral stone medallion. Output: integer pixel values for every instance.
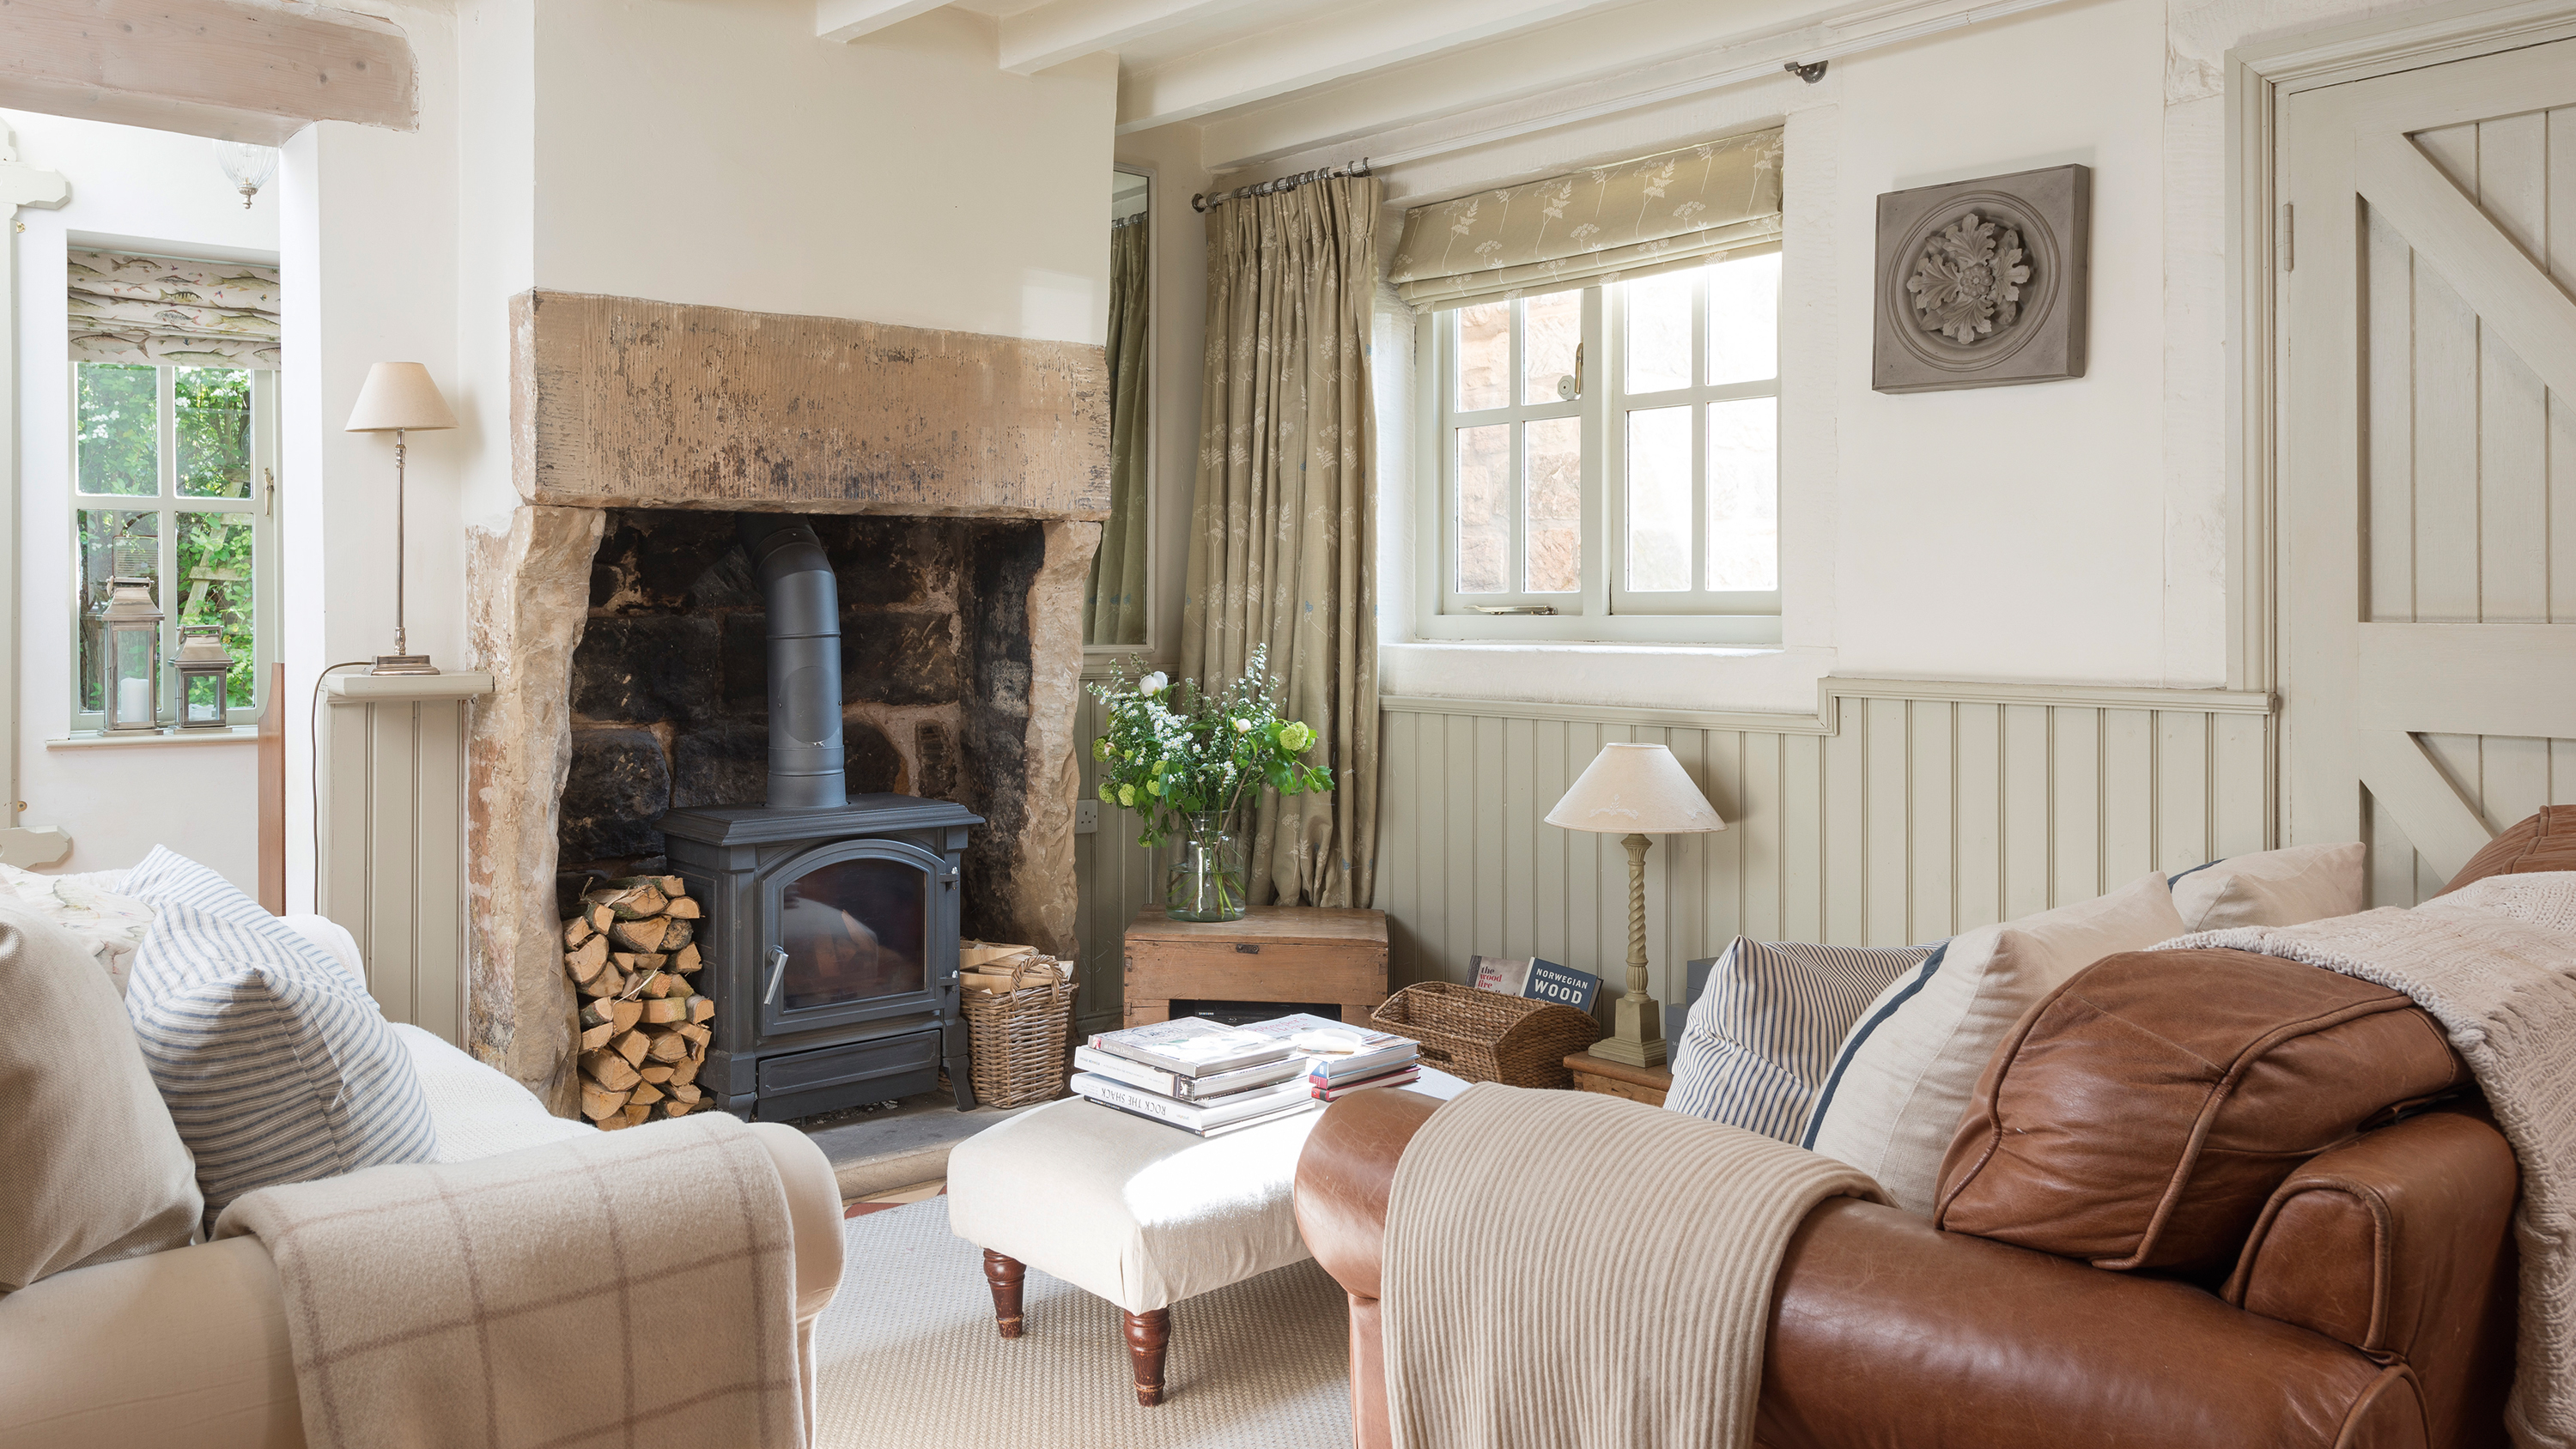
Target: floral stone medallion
(1982, 283)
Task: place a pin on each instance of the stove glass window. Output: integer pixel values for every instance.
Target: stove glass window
(853, 929)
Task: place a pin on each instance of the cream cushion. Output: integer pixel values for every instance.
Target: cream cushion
(1133, 1211)
(2287, 887)
(91, 1167)
(1902, 1079)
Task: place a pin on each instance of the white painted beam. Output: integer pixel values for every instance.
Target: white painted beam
(1050, 35)
(237, 70)
(848, 20)
(1321, 49)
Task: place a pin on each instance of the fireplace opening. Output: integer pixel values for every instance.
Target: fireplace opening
(820, 724)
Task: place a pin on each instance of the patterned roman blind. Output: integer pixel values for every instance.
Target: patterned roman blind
(127, 308)
(1608, 223)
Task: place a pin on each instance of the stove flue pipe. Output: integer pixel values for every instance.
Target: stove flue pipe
(806, 768)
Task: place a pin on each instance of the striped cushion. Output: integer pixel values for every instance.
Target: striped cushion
(1761, 1037)
(275, 1068)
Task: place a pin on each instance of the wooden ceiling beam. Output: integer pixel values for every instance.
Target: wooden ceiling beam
(237, 70)
(1063, 30)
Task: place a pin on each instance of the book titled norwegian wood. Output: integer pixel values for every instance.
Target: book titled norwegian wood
(1537, 980)
(1194, 1116)
(1193, 1046)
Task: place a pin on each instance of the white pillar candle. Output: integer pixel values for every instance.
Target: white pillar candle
(134, 701)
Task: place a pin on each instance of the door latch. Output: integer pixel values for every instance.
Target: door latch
(777, 972)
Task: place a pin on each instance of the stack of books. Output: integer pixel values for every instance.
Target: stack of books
(1209, 1078)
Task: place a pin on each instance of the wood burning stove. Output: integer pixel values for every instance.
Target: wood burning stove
(831, 928)
(831, 947)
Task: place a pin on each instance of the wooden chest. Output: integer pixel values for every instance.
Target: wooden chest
(1276, 953)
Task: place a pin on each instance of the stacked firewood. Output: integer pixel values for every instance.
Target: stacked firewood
(644, 1031)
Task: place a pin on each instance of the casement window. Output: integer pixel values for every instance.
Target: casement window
(1607, 460)
(173, 481)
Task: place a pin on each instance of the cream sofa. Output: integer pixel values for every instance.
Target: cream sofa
(187, 1349)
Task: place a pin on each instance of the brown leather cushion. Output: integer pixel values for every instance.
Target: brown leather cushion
(2546, 841)
(2143, 1112)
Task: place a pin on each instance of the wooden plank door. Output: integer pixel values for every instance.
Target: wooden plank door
(2428, 458)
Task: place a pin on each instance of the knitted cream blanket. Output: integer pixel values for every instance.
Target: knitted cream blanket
(1569, 1269)
(633, 1289)
(2495, 964)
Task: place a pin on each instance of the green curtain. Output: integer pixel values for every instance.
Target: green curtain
(1114, 612)
(1283, 534)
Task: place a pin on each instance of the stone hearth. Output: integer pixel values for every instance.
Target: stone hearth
(956, 481)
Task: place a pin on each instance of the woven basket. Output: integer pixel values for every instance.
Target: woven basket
(1485, 1037)
(1017, 1037)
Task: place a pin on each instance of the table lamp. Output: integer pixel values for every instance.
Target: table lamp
(1634, 791)
(399, 398)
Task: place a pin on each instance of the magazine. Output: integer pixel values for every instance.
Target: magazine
(1192, 1046)
(1196, 1116)
(1187, 1089)
(1293, 1109)
(1325, 1090)
(1338, 1048)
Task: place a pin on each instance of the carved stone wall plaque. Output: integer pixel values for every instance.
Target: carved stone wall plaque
(1983, 283)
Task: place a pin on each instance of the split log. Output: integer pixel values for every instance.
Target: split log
(612, 1123)
(686, 960)
(675, 934)
(677, 1108)
(692, 1033)
(632, 1046)
(665, 1009)
(685, 1070)
(600, 917)
(577, 931)
(701, 1009)
(646, 1093)
(667, 1048)
(656, 1073)
(688, 1092)
(626, 1013)
(682, 909)
(588, 961)
(609, 1070)
(598, 1102)
(604, 984)
(635, 903)
(669, 885)
(644, 935)
(595, 1037)
(636, 1112)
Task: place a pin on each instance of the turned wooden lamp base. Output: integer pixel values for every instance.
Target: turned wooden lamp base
(1148, 1334)
(1637, 1030)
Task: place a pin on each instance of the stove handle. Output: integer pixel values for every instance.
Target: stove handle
(777, 970)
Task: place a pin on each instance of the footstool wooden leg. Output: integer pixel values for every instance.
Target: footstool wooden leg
(1147, 1334)
(1005, 1276)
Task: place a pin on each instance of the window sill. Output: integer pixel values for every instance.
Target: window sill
(1615, 674)
(94, 740)
(1729, 633)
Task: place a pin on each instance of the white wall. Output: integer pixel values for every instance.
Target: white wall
(2070, 532)
(155, 191)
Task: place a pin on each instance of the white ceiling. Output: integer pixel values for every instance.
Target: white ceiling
(1272, 77)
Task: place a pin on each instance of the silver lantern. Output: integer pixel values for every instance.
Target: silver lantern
(131, 630)
(203, 668)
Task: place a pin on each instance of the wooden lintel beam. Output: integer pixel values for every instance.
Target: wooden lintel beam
(237, 70)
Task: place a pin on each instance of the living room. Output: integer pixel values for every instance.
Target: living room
(1743, 524)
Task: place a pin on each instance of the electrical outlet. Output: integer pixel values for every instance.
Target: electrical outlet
(1086, 817)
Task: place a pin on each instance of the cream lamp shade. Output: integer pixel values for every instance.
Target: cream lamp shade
(399, 397)
(1635, 790)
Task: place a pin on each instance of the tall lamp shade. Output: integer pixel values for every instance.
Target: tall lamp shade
(399, 397)
(1635, 791)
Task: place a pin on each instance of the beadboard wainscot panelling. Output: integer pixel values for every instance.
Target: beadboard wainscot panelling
(2504, 778)
(1901, 811)
(1117, 877)
(391, 863)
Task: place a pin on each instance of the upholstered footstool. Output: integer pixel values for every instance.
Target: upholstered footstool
(1135, 1212)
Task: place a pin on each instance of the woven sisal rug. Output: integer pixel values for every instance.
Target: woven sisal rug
(908, 1359)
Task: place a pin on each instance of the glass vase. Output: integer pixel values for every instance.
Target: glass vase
(1207, 876)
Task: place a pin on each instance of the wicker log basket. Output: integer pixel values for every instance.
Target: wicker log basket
(1485, 1037)
(1017, 1037)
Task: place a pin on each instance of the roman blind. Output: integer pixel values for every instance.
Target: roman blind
(127, 308)
(1607, 223)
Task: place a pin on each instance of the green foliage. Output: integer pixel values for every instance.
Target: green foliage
(1175, 750)
(215, 575)
(119, 433)
(213, 425)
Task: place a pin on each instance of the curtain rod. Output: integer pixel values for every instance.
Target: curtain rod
(1201, 201)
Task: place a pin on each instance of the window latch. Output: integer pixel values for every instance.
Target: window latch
(1570, 386)
(268, 508)
(1524, 609)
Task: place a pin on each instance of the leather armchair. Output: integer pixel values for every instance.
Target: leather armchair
(2371, 1308)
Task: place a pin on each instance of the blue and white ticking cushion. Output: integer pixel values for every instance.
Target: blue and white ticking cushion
(274, 1065)
(1761, 1037)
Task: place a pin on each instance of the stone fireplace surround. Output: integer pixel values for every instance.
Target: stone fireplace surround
(957, 481)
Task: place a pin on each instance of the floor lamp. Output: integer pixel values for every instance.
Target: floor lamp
(1634, 791)
(399, 398)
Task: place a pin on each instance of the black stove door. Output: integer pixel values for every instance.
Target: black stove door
(853, 932)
